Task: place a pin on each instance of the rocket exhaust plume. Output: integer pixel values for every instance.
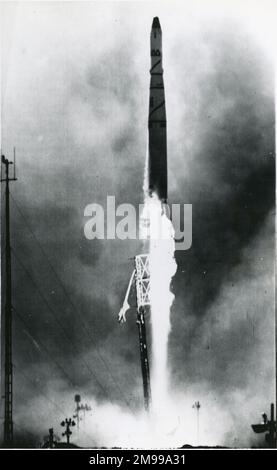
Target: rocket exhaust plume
(162, 267)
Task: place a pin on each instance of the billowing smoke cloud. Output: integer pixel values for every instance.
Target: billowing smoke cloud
(75, 97)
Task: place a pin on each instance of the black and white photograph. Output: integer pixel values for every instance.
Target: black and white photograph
(138, 227)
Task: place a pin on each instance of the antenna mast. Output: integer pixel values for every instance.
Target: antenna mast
(8, 367)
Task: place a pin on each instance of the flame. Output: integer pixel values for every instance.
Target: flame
(162, 267)
(157, 228)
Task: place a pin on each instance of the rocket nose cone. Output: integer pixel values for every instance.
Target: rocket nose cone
(156, 23)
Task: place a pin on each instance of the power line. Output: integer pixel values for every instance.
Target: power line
(83, 323)
(41, 345)
(21, 428)
(59, 323)
(34, 384)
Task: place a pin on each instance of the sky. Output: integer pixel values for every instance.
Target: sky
(74, 103)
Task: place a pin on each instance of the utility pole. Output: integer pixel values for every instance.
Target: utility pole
(271, 437)
(68, 423)
(7, 324)
(80, 407)
(51, 442)
(197, 406)
(77, 400)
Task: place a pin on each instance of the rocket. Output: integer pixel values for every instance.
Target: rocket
(157, 144)
(157, 183)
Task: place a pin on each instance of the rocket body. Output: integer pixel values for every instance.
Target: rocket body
(157, 163)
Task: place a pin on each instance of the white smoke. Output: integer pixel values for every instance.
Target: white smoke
(162, 267)
(157, 229)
